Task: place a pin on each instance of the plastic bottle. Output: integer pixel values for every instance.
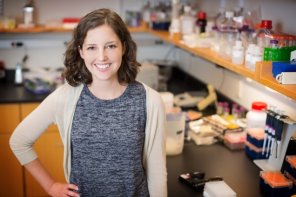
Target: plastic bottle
(220, 17)
(248, 55)
(256, 117)
(228, 36)
(28, 10)
(187, 21)
(264, 34)
(256, 56)
(238, 53)
(18, 80)
(271, 53)
(201, 22)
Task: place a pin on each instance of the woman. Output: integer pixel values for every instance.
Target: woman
(112, 126)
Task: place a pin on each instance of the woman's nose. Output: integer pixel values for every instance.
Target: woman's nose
(101, 55)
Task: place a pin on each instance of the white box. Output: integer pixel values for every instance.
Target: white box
(148, 74)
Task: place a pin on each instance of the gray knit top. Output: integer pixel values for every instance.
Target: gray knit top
(107, 142)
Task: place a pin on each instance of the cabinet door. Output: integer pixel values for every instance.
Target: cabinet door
(9, 117)
(11, 172)
(49, 149)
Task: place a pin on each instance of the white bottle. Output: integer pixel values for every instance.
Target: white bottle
(256, 57)
(248, 55)
(28, 10)
(187, 21)
(237, 53)
(18, 74)
(256, 117)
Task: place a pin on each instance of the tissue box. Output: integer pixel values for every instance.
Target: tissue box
(279, 67)
(218, 189)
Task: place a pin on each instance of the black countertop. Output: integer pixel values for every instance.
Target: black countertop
(236, 169)
(11, 93)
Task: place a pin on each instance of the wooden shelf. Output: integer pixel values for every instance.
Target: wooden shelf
(42, 29)
(268, 80)
(262, 73)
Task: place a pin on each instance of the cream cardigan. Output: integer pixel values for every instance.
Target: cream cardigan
(59, 108)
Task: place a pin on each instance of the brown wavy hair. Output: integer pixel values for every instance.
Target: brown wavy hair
(76, 72)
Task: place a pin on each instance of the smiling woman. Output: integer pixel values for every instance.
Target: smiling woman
(112, 126)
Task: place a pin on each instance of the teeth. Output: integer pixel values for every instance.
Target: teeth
(102, 66)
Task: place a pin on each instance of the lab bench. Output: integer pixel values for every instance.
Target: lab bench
(236, 169)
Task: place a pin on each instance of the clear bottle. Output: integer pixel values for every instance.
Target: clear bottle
(238, 53)
(187, 21)
(256, 56)
(228, 36)
(264, 34)
(248, 55)
(256, 117)
(28, 10)
(219, 18)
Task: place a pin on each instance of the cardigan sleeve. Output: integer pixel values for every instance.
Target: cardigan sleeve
(28, 131)
(155, 155)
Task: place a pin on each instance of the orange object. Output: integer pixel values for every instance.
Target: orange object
(275, 179)
(291, 159)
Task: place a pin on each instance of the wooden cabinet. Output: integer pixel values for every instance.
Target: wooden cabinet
(11, 172)
(49, 149)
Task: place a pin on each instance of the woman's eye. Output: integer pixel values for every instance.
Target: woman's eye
(90, 48)
(111, 46)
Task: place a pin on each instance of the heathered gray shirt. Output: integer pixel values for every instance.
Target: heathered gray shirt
(107, 141)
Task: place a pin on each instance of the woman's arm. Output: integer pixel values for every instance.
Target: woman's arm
(53, 188)
(155, 154)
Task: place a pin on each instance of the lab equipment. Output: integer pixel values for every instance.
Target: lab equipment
(210, 99)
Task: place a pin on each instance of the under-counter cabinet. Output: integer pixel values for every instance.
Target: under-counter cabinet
(11, 172)
(49, 149)
(15, 181)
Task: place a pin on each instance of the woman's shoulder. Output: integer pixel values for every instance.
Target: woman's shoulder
(66, 92)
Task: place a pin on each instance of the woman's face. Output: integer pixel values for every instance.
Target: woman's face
(102, 53)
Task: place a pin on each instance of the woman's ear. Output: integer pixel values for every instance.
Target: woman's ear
(80, 51)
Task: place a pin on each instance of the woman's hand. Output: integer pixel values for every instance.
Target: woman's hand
(63, 190)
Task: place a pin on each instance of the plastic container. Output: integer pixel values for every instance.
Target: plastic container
(264, 34)
(254, 152)
(201, 22)
(175, 133)
(256, 136)
(248, 55)
(187, 22)
(235, 141)
(237, 53)
(228, 35)
(256, 117)
(275, 184)
(256, 56)
(29, 13)
(290, 164)
(168, 99)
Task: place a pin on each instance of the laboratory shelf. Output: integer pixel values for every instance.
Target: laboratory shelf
(262, 73)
